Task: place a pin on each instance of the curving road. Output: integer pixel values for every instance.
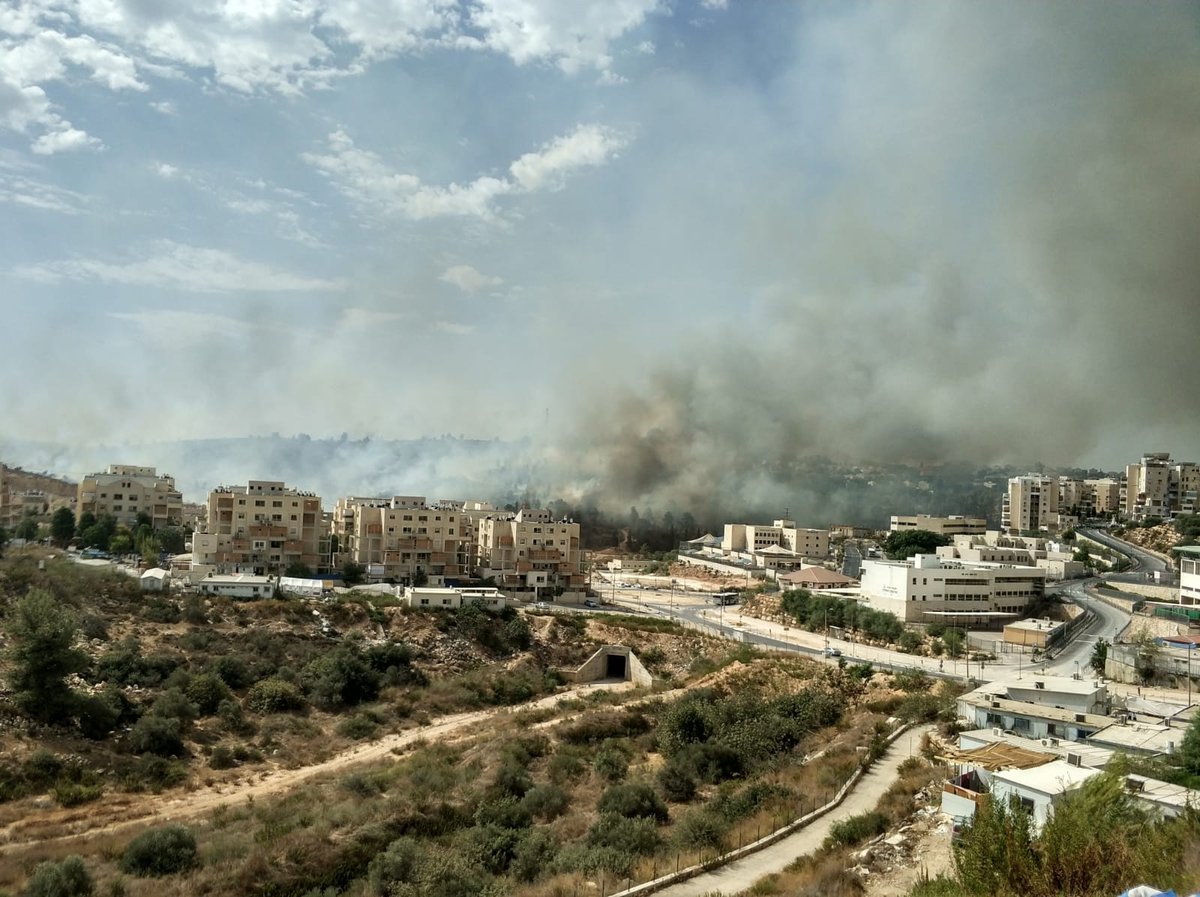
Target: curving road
(1144, 565)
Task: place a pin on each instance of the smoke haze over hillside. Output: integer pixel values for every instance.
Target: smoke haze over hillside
(665, 255)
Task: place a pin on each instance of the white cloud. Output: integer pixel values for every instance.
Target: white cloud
(369, 319)
(468, 279)
(586, 146)
(166, 171)
(366, 179)
(164, 107)
(571, 35)
(17, 189)
(169, 265)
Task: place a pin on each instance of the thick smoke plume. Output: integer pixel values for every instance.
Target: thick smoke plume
(999, 262)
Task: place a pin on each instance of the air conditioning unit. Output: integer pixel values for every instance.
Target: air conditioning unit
(1045, 742)
(1074, 759)
(997, 731)
(1133, 783)
(995, 703)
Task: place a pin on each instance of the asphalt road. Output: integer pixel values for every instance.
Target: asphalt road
(1144, 566)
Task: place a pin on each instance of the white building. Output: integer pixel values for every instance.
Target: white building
(1189, 574)
(954, 525)
(434, 598)
(155, 579)
(928, 589)
(1038, 789)
(237, 585)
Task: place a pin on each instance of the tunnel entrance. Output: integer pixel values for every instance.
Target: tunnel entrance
(615, 666)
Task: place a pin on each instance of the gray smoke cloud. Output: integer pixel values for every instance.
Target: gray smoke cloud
(998, 262)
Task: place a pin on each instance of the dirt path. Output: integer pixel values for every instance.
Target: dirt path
(738, 876)
(126, 810)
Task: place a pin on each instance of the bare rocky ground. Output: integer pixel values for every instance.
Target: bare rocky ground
(893, 863)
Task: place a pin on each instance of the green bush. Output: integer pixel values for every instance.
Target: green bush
(535, 854)
(676, 782)
(856, 829)
(634, 837)
(72, 794)
(156, 735)
(546, 802)
(341, 678)
(221, 758)
(701, 828)
(359, 726)
(160, 851)
(611, 763)
(173, 704)
(633, 801)
(66, 878)
(207, 691)
(274, 696)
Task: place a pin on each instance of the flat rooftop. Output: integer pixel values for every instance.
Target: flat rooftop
(1090, 755)
(1051, 778)
(1140, 737)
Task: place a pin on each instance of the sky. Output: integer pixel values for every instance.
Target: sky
(673, 244)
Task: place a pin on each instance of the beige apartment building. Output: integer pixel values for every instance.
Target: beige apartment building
(260, 528)
(529, 550)
(1030, 504)
(954, 525)
(403, 539)
(1160, 487)
(24, 494)
(124, 491)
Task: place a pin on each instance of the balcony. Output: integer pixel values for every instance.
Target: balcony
(266, 531)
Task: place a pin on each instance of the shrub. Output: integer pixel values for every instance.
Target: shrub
(274, 696)
(610, 763)
(856, 829)
(396, 865)
(173, 704)
(221, 758)
(546, 802)
(676, 782)
(341, 678)
(66, 878)
(207, 691)
(701, 828)
(97, 717)
(506, 812)
(72, 794)
(633, 802)
(233, 670)
(634, 837)
(160, 851)
(156, 735)
(359, 726)
(535, 853)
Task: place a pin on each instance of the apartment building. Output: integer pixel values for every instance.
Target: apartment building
(261, 528)
(404, 539)
(25, 494)
(1160, 487)
(530, 550)
(992, 547)
(125, 490)
(1030, 504)
(928, 589)
(954, 525)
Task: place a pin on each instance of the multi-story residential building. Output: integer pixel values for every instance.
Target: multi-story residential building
(529, 549)
(1160, 487)
(261, 528)
(125, 491)
(954, 525)
(24, 494)
(1104, 496)
(403, 539)
(928, 589)
(996, 548)
(1030, 504)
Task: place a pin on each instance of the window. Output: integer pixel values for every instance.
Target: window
(260, 503)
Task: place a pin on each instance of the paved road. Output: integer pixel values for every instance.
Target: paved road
(1143, 565)
(738, 876)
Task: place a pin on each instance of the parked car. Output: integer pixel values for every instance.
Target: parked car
(833, 652)
(590, 603)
